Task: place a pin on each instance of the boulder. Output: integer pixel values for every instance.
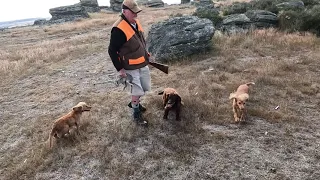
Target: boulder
(90, 5)
(185, 1)
(68, 13)
(291, 5)
(236, 19)
(262, 18)
(155, 3)
(40, 22)
(210, 12)
(115, 5)
(235, 23)
(178, 37)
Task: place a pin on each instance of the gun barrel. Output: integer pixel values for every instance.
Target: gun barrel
(162, 67)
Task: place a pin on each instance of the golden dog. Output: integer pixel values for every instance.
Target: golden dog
(171, 100)
(239, 100)
(63, 125)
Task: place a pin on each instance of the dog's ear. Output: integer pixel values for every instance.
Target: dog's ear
(232, 96)
(77, 108)
(178, 98)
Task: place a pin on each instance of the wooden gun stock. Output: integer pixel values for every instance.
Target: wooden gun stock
(162, 67)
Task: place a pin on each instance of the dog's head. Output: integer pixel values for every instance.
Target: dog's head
(81, 107)
(173, 99)
(240, 99)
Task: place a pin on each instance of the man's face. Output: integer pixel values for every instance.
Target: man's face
(130, 15)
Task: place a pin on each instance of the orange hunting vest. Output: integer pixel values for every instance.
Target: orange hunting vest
(133, 53)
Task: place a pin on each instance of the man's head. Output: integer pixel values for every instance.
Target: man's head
(130, 9)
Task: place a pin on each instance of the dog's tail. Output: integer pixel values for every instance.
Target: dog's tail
(250, 83)
(160, 92)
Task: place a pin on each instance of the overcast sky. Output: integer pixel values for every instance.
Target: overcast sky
(22, 9)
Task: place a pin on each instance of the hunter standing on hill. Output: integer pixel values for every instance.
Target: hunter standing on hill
(127, 50)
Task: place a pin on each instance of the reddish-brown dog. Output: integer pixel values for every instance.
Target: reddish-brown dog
(239, 100)
(63, 125)
(171, 100)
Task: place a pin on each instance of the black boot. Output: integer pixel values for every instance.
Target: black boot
(137, 117)
(141, 108)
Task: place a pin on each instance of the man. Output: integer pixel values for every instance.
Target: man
(127, 50)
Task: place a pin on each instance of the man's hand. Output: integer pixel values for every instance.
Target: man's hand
(122, 73)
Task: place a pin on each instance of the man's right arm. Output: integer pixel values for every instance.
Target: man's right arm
(117, 39)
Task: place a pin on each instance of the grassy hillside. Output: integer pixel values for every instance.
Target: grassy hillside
(47, 70)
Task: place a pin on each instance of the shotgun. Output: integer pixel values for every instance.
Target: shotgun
(162, 67)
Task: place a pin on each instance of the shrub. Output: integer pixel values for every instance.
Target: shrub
(268, 5)
(308, 20)
(310, 3)
(209, 13)
(311, 20)
(290, 21)
(237, 8)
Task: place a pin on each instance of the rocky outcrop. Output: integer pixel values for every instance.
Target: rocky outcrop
(262, 18)
(115, 5)
(252, 19)
(68, 13)
(90, 5)
(207, 10)
(291, 5)
(185, 1)
(155, 3)
(179, 37)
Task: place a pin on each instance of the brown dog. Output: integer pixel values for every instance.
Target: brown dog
(63, 125)
(239, 100)
(171, 100)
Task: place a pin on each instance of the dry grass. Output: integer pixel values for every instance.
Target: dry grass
(228, 2)
(46, 70)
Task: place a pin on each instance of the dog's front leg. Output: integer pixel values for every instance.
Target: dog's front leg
(235, 113)
(178, 113)
(165, 99)
(166, 112)
(243, 115)
(77, 126)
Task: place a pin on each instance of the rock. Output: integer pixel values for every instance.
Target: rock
(40, 22)
(236, 19)
(179, 37)
(155, 3)
(292, 5)
(90, 5)
(115, 5)
(185, 1)
(68, 13)
(210, 12)
(236, 23)
(262, 18)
